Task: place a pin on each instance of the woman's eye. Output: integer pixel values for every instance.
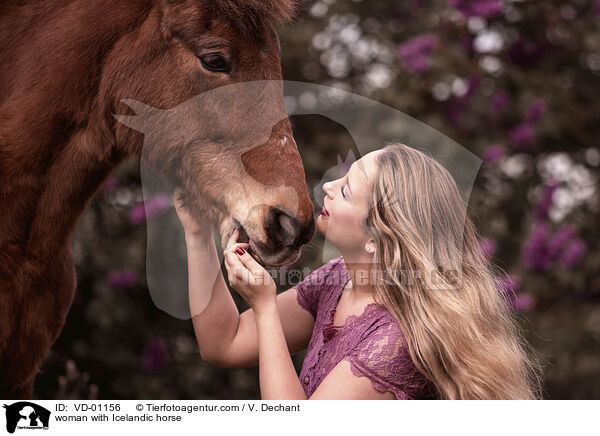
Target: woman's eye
(343, 194)
(215, 63)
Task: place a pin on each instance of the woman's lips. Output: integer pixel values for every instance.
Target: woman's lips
(324, 212)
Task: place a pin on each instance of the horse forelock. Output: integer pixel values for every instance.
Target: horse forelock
(250, 15)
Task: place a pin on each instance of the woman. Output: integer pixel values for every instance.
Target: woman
(409, 311)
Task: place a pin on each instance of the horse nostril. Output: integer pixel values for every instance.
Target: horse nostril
(287, 231)
(287, 226)
(281, 228)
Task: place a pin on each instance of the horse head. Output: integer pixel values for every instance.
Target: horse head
(204, 82)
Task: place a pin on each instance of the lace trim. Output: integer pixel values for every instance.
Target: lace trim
(330, 330)
(358, 371)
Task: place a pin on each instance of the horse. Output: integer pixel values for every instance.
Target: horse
(67, 68)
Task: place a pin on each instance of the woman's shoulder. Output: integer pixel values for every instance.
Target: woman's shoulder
(336, 264)
(330, 273)
(318, 286)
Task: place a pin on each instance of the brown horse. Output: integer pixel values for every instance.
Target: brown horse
(65, 66)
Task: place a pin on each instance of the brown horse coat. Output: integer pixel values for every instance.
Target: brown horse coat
(61, 79)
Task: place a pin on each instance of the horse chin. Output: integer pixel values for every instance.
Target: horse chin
(265, 259)
(278, 261)
(251, 246)
(227, 227)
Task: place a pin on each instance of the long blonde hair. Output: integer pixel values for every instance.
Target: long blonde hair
(461, 333)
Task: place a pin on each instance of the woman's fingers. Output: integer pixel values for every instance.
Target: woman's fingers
(231, 250)
(235, 268)
(232, 240)
(237, 275)
(231, 258)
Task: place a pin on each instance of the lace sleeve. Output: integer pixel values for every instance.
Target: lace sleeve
(308, 289)
(383, 357)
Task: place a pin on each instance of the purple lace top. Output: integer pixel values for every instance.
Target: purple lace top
(372, 342)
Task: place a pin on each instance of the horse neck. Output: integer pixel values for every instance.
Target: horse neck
(47, 205)
(56, 143)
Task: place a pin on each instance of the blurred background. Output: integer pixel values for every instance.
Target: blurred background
(515, 82)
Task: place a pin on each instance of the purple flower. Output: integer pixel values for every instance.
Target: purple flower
(110, 185)
(545, 203)
(417, 45)
(560, 239)
(467, 43)
(416, 64)
(573, 253)
(155, 206)
(487, 8)
(477, 8)
(499, 101)
(137, 215)
(488, 247)
(508, 285)
(493, 154)
(153, 359)
(122, 279)
(414, 52)
(535, 252)
(526, 53)
(535, 111)
(455, 108)
(522, 302)
(522, 135)
(472, 86)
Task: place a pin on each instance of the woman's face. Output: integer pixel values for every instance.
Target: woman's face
(346, 205)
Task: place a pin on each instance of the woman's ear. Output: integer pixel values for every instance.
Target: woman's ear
(370, 246)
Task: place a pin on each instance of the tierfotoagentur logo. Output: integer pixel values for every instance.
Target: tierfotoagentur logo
(253, 117)
(26, 416)
(437, 279)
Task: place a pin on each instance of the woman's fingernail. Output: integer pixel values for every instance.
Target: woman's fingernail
(240, 251)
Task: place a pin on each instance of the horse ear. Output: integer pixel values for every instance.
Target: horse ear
(143, 113)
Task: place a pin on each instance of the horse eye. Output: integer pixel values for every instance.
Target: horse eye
(215, 63)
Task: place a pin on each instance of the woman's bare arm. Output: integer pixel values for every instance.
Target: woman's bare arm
(297, 326)
(215, 316)
(226, 338)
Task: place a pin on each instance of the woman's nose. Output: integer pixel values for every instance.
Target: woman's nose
(327, 188)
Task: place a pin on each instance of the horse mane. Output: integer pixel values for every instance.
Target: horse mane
(251, 15)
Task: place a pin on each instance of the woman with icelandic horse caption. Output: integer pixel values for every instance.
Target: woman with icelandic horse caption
(371, 334)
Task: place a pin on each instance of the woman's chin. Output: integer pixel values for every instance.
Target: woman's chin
(322, 225)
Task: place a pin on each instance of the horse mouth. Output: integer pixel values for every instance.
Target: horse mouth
(244, 238)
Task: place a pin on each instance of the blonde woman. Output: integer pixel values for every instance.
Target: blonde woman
(409, 311)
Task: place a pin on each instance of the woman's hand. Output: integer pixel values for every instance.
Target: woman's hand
(192, 227)
(247, 276)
